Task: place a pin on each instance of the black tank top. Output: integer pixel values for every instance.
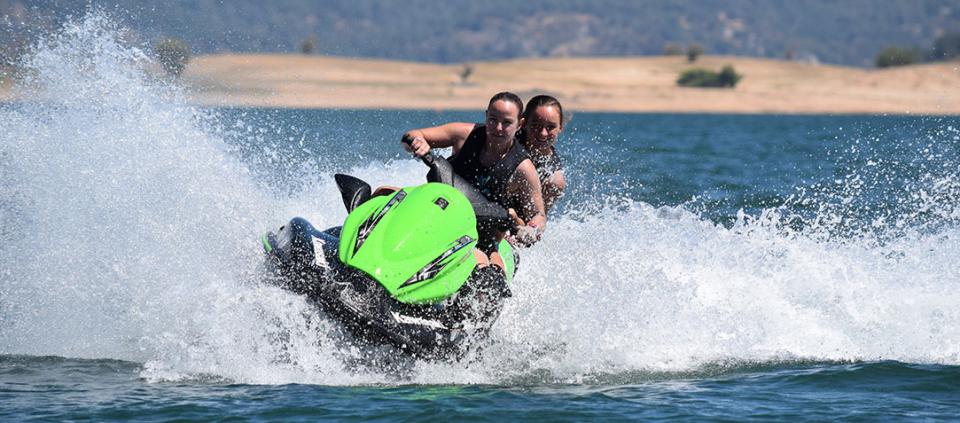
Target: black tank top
(546, 165)
(491, 181)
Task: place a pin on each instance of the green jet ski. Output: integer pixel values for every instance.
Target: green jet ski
(401, 270)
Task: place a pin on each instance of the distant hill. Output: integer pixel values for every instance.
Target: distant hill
(848, 32)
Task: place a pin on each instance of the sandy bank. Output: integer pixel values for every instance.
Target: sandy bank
(640, 84)
(631, 84)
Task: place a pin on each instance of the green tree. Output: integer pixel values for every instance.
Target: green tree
(693, 52)
(946, 47)
(172, 54)
(897, 56)
(728, 77)
(466, 72)
(308, 45)
(699, 77)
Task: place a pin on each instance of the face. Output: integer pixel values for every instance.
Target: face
(503, 121)
(544, 126)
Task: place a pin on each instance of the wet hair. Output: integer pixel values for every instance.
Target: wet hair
(540, 101)
(509, 97)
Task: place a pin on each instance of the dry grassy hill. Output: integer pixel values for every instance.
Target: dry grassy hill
(587, 84)
(633, 84)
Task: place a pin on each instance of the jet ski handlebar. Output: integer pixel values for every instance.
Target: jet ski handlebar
(428, 158)
(489, 214)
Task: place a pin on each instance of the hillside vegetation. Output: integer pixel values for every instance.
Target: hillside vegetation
(850, 32)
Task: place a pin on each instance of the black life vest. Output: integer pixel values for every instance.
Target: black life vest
(546, 165)
(490, 181)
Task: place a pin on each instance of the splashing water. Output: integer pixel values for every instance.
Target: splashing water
(131, 227)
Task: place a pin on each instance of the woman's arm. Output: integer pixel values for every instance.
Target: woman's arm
(421, 141)
(553, 189)
(525, 186)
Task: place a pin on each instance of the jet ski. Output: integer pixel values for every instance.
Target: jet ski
(401, 269)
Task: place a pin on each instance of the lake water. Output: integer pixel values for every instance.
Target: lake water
(699, 266)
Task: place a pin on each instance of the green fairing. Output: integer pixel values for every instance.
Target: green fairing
(266, 243)
(506, 253)
(413, 233)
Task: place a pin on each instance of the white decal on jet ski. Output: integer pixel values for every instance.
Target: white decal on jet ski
(319, 258)
(416, 321)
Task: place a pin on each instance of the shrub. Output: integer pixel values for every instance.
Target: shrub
(699, 77)
(465, 73)
(897, 56)
(308, 45)
(693, 52)
(173, 55)
(729, 77)
(946, 46)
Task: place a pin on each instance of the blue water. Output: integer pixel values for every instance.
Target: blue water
(49, 388)
(700, 267)
(111, 390)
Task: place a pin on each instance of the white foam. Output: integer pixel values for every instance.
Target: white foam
(131, 233)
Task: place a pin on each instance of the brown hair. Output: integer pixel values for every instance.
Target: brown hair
(532, 106)
(540, 101)
(510, 97)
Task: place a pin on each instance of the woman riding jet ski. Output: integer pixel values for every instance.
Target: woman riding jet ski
(401, 269)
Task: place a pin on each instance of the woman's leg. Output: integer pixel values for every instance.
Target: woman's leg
(482, 260)
(496, 260)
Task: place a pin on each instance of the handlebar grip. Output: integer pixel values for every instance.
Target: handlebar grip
(427, 158)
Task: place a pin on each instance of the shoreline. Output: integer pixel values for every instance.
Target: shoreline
(644, 84)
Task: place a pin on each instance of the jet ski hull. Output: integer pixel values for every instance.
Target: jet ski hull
(306, 261)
